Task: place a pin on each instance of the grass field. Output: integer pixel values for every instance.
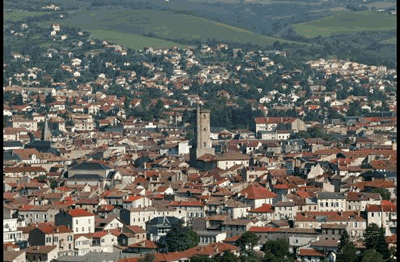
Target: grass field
(164, 24)
(18, 15)
(391, 40)
(347, 22)
(131, 40)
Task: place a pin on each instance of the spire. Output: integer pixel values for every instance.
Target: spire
(46, 135)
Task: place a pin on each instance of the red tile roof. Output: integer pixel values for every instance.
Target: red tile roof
(310, 252)
(263, 229)
(186, 203)
(262, 209)
(79, 213)
(256, 191)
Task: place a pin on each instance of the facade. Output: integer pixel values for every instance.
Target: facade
(60, 236)
(331, 201)
(80, 220)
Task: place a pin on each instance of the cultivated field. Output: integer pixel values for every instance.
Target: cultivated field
(347, 22)
(165, 25)
(18, 15)
(131, 40)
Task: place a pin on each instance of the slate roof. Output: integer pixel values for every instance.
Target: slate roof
(12, 144)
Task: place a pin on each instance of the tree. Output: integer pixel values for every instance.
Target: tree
(276, 251)
(18, 100)
(382, 246)
(374, 238)
(203, 258)
(344, 240)
(371, 235)
(228, 256)
(384, 192)
(49, 99)
(348, 253)
(372, 256)
(247, 241)
(149, 257)
(178, 239)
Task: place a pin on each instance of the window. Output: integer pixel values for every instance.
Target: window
(69, 238)
(76, 222)
(88, 229)
(321, 204)
(372, 214)
(326, 204)
(83, 229)
(76, 230)
(89, 220)
(48, 239)
(205, 144)
(102, 241)
(55, 239)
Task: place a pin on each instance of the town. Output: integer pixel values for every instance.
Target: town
(177, 154)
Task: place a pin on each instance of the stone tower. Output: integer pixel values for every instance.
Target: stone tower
(202, 133)
(46, 134)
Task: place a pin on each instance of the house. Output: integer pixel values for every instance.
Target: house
(232, 158)
(145, 246)
(11, 233)
(80, 220)
(192, 208)
(82, 244)
(139, 216)
(160, 226)
(130, 235)
(60, 236)
(14, 256)
(90, 204)
(109, 223)
(37, 214)
(285, 210)
(42, 253)
(235, 209)
(136, 202)
(310, 255)
(331, 201)
(257, 195)
(236, 227)
(103, 241)
(264, 212)
(207, 237)
(383, 216)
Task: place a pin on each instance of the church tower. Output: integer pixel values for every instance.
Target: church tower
(46, 134)
(202, 133)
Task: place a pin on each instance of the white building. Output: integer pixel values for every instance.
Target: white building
(80, 220)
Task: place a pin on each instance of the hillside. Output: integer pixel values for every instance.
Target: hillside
(165, 25)
(346, 22)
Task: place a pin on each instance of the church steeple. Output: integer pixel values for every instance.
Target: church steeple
(46, 134)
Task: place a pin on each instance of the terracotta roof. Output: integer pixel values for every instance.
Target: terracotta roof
(40, 249)
(263, 229)
(130, 199)
(263, 209)
(186, 203)
(146, 244)
(310, 252)
(55, 229)
(79, 213)
(256, 191)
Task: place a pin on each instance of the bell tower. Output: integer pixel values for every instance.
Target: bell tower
(202, 133)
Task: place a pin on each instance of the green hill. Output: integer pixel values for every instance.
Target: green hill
(163, 24)
(347, 22)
